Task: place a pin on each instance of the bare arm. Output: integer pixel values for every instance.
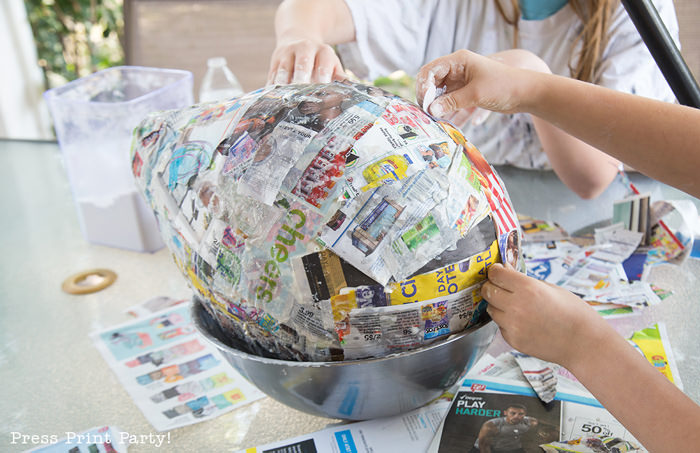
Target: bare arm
(656, 138)
(530, 313)
(305, 31)
(486, 434)
(584, 169)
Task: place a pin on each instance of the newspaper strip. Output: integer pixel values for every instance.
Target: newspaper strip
(505, 369)
(675, 225)
(537, 230)
(371, 331)
(390, 233)
(540, 374)
(415, 311)
(153, 305)
(653, 343)
(634, 213)
(432, 93)
(617, 243)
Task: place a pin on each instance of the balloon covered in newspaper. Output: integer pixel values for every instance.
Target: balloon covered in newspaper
(326, 221)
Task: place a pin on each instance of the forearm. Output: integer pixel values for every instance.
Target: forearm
(584, 169)
(485, 445)
(327, 21)
(658, 139)
(657, 413)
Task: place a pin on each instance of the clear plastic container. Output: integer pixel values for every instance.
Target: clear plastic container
(94, 118)
(219, 82)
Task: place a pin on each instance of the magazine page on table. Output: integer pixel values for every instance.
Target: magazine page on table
(173, 375)
(503, 373)
(409, 432)
(481, 417)
(506, 408)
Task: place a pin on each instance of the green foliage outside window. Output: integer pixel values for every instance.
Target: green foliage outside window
(399, 83)
(75, 38)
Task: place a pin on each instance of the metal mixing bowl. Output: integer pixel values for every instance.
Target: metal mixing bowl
(356, 389)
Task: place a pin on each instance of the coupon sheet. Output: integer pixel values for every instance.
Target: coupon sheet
(173, 375)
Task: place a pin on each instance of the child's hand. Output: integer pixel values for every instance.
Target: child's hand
(496, 83)
(304, 61)
(540, 319)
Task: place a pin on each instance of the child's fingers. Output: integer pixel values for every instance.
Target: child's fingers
(479, 116)
(460, 117)
(496, 275)
(496, 313)
(499, 317)
(508, 279)
(495, 295)
(433, 75)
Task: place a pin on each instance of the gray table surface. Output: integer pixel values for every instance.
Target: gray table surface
(53, 380)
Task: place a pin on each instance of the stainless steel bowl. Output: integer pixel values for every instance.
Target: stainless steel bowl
(356, 389)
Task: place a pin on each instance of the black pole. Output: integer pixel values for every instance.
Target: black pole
(662, 47)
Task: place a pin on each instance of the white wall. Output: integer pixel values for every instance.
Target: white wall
(23, 114)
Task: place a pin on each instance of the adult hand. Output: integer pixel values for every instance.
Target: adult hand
(542, 320)
(304, 61)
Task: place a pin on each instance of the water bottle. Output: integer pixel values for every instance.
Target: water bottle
(219, 83)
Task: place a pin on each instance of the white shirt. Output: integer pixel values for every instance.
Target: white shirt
(395, 34)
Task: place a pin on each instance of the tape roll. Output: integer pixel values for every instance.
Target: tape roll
(89, 281)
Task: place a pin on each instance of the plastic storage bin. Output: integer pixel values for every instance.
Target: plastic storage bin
(94, 118)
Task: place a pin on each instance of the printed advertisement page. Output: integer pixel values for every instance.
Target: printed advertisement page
(173, 375)
(491, 413)
(409, 432)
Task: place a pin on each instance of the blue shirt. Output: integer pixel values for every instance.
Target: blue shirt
(540, 9)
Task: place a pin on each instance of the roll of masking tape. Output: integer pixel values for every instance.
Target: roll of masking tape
(89, 281)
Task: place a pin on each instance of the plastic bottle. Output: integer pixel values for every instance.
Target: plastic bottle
(219, 82)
